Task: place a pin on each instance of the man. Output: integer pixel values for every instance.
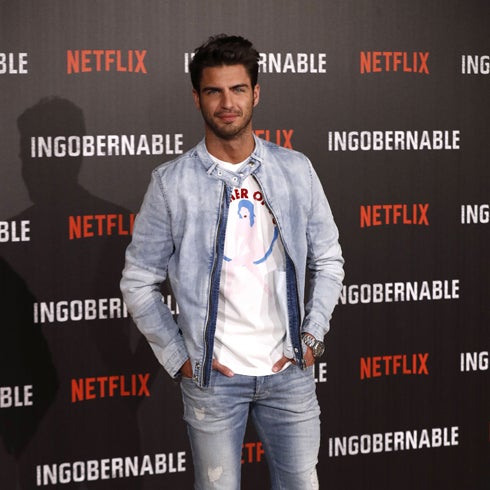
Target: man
(234, 223)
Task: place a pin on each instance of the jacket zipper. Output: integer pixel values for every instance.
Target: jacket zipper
(300, 356)
(212, 310)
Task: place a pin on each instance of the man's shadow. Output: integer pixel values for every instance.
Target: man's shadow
(55, 264)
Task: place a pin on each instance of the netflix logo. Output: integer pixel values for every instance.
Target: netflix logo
(392, 365)
(92, 388)
(394, 61)
(105, 60)
(281, 137)
(96, 225)
(394, 214)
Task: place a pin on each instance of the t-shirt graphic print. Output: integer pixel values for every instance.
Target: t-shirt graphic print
(252, 314)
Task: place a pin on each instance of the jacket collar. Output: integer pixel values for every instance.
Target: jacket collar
(202, 153)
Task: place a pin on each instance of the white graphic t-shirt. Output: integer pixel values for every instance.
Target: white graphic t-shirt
(252, 310)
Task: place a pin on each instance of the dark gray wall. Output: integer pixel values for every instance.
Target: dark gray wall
(408, 350)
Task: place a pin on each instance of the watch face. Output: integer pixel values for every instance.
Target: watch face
(317, 346)
(319, 349)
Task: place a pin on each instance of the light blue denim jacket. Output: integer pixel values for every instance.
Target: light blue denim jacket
(179, 233)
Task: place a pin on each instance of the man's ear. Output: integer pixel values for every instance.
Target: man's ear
(256, 94)
(195, 96)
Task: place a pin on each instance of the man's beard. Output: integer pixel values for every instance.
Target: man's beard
(229, 131)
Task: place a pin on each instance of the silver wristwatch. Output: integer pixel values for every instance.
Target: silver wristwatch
(317, 346)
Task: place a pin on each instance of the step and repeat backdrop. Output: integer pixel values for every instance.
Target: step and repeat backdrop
(391, 102)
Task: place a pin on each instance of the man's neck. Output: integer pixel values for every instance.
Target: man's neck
(235, 150)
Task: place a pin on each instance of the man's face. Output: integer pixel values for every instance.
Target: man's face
(226, 100)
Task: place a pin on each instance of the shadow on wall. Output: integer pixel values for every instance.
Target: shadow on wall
(28, 377)
(59, 264)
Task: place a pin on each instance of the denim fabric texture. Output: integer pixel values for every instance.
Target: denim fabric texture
(179, 234)
(284, 410)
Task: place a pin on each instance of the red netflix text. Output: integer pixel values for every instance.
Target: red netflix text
(88, 60)
(394, 214)
(391, 365)
(281, 137)
(93, 225)
(394, 61)
(109, 386)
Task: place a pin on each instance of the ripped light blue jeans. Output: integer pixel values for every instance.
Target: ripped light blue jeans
(285, 411)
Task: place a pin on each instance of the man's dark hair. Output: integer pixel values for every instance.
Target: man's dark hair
(224, 50)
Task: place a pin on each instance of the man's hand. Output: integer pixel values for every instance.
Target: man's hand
(308, 356)
(222, 369)
(186, 369)
(280, 364)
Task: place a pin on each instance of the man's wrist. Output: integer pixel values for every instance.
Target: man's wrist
(317, 346)
(186, 369)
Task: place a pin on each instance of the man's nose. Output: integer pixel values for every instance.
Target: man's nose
(226, 99)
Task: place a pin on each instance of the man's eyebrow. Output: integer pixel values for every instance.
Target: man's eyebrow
(212, 87)
(240, 85)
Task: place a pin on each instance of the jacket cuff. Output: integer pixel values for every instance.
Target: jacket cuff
(318, 331)
(176, 359)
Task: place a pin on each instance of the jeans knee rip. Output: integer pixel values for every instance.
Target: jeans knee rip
(199, 413)
(315, 485)
(214, 474)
